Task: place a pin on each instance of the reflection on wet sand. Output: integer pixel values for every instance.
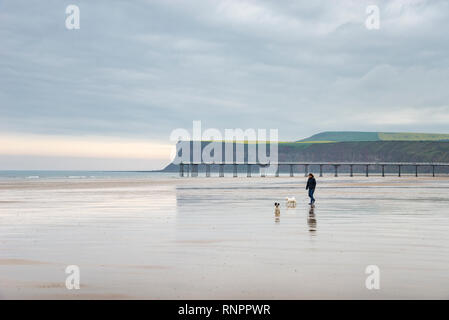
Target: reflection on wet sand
(213, 238)
(277, 217)
(311, 220)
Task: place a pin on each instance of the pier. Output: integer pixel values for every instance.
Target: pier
(192, 168)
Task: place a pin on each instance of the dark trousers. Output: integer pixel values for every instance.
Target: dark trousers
(312, 199)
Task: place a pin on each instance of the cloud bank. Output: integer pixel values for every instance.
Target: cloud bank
(136, 70)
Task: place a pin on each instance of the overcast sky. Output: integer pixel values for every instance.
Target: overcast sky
(136, 70)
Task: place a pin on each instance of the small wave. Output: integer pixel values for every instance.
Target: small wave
(77, 177)
(33, 177)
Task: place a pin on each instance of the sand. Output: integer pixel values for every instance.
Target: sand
(218, 238)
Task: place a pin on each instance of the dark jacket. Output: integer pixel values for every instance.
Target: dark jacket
(311, 183)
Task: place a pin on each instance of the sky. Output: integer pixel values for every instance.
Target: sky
(108, 95)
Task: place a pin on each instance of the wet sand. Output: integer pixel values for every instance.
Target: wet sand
(218, 238)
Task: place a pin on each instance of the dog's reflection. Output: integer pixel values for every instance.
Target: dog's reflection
(277, 218)
(311, 220)
(277, 212)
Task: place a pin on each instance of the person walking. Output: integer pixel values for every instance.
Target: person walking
(311, 184)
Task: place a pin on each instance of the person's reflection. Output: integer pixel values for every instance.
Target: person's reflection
(311, 220)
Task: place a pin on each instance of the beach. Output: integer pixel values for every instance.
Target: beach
(165, 237)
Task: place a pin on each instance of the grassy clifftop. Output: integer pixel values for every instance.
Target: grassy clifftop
(346, 136)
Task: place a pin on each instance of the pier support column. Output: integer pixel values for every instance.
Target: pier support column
(291, 170)
(276, 174)
(351, 170)
(399, 170)
(187, 169)
(207, 170)
(262, 171)
(181, 170)
(366, 171)
(433, 171)
(248, 170)
(383, 171)
(194, 170)
(416, 171)
(306, 170)
(321, 170)
(221, 172)
(336, 170)
(235, 170)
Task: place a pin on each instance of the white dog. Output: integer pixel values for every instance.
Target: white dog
(291, 202)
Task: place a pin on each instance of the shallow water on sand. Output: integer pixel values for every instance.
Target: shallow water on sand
(168, 238)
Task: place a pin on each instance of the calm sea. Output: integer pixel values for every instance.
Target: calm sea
(40, 174)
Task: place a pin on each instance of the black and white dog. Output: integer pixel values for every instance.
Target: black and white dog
(277, 210)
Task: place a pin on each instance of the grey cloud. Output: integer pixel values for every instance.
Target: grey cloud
(143, 68)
